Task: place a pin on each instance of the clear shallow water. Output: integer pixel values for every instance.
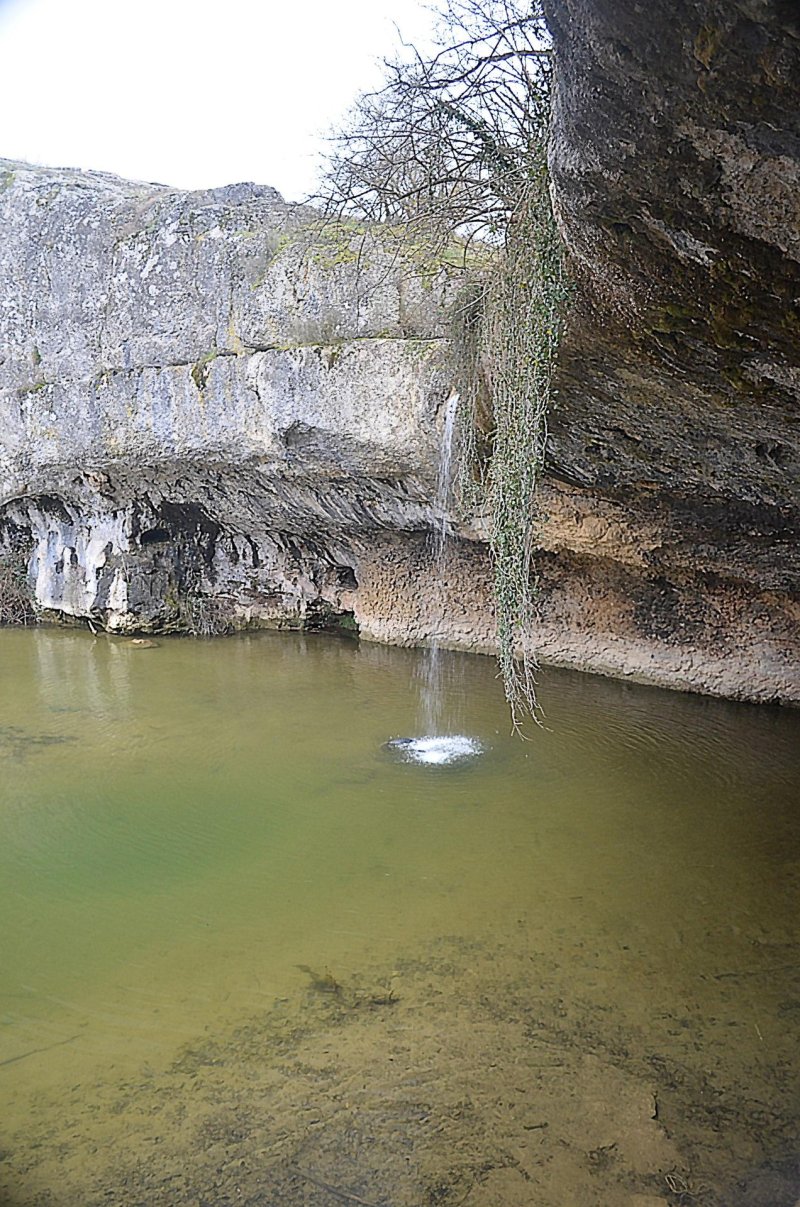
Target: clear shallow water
(188, 833)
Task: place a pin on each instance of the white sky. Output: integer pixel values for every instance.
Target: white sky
(189, 92)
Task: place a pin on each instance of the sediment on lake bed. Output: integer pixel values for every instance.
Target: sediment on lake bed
(512, 1090)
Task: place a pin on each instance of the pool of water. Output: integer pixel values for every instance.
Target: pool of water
(214, 880)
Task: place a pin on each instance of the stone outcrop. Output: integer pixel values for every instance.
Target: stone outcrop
(676, 167)
(215, 412)
(205, 399)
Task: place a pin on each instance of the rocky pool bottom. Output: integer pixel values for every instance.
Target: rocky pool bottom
(250, 959)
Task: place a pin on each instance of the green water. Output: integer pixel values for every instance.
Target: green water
(185, 830)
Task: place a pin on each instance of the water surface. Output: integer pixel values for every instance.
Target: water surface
(197, 836)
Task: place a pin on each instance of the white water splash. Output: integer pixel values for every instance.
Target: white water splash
(435, 751)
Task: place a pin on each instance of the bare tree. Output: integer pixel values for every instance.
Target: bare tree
(450, 143)
(452, 150)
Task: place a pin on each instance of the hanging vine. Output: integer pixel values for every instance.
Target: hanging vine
(453, 148)
(507, 335)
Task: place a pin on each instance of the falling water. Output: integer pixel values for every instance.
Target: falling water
(432, 694)
(438, 744)
(444, 487)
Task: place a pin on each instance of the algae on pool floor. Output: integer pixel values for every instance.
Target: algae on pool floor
(566, 972)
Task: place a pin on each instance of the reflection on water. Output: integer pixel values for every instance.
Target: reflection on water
(187, 832)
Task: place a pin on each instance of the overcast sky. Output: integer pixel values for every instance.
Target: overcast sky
(189, 92)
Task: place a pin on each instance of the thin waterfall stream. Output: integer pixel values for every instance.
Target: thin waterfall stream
(432, 696)
(437, 744)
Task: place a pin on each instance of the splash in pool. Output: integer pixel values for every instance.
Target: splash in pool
(436, 751)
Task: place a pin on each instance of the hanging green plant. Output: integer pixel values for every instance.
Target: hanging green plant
(454, 147)
(507, 335)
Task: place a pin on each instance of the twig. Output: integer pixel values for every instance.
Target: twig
(10, 1060)
(727, 976)
(340, 1194)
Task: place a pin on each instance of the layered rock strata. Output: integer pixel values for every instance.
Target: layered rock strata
(216, 412)
(676, 170)
(205, 400)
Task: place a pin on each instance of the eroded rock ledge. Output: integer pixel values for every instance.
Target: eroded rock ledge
(212, 416)
(204, 404)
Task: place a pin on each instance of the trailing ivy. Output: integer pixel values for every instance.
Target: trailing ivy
(507, 335)
(454, 147)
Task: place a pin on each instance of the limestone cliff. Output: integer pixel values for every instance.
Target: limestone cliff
(214, 412)
(205, 398)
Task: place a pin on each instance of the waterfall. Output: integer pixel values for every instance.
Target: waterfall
(432, 696)
(444, 488)
(438, 744)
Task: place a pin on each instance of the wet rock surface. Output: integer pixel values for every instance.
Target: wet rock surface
(676, 160)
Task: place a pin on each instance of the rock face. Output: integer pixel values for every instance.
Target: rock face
(214, 412)
(676, 166)
(677, 170)
(187, 431)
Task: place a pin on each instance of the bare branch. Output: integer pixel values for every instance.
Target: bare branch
(447, 140)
